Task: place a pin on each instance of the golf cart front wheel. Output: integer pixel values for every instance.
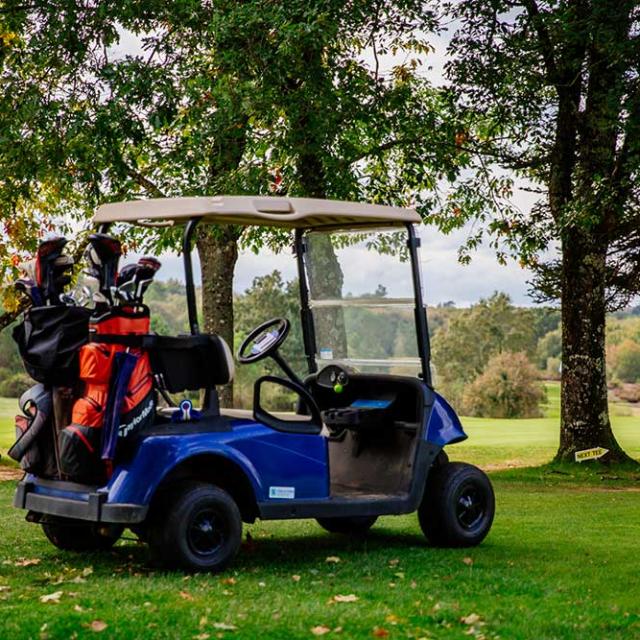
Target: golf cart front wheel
(458, 506)
(200, 529)
(78, 535)
(355, 526)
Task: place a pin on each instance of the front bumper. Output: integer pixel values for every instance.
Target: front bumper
(70, 500)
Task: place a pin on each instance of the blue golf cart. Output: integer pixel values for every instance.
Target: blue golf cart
(365, 434)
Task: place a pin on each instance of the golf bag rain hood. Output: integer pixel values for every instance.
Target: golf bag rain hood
(49, 339)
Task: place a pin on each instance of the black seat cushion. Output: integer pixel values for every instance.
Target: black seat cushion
(190, 363)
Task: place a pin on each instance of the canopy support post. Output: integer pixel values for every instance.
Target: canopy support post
(192, 309)
(422, 327)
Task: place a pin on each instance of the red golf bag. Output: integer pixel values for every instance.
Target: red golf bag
(117, 398)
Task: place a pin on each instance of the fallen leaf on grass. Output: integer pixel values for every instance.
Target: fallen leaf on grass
(320, 630)
(78, 608)
(26, 562)
(4, 587)
(351, 597)
(332, 559)
(392, 618)
(472, 618)
(228, 581)
(98, 625)
(202, 636)
(295, 578)
(185, 595)
(87, 571)
(468, 561)
(224, 626)
(394, 563)
(52, 597)
(379, 632)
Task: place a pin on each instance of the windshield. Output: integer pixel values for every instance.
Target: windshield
(362, 300)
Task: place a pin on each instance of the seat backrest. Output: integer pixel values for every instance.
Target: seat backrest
(190, 363)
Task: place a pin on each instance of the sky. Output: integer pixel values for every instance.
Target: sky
(445, 278)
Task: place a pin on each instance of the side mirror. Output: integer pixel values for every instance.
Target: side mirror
(312, 425)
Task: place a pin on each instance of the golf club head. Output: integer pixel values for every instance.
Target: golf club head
(63, 262)
(124, 293)
(127, 273)
(150, 262)
(146, 271)
(29, 269)
(103, 254)
(68, 300)
(48, 252)
(28, 287)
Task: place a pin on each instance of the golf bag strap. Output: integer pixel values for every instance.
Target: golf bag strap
(135, 341)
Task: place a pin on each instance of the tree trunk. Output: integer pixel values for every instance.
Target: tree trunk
(218, 252)
(584, 413)
(324, 270)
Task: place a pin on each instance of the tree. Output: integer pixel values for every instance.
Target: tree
(507, 388)
(552, 95)
(463, 347)
(229, 97)
(628, 361)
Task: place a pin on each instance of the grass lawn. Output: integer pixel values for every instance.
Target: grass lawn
(560, 562)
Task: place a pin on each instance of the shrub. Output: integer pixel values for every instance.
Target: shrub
(627, 362)
(507, 388)
(628, 393)
(14, 386)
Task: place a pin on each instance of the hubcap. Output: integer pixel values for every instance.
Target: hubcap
(470, 507)
(205, 533)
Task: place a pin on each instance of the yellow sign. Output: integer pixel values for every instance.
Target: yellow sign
(590, 454)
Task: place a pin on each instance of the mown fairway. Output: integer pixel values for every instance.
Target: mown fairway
(560, 562)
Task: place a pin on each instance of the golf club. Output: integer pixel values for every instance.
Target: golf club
(48, 252)
(147, 268)
(103, 254)
(29, 288)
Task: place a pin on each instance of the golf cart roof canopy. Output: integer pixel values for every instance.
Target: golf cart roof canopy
(269, 211)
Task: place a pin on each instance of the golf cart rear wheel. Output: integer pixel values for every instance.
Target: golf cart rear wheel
(78, 535)
(355, 526)
(458, 506)
(200, 529)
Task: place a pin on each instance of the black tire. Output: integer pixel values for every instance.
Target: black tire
(354, 526)
(78, 535)
(458, 506)
(198, 529)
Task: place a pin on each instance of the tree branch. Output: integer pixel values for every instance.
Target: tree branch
(546, 46)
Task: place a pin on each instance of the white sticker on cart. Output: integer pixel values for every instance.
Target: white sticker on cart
(326, 354)
(288, 493)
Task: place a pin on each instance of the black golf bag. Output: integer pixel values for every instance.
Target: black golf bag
(49, 340)
(35, 442)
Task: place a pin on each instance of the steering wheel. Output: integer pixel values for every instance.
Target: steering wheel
(264, 340)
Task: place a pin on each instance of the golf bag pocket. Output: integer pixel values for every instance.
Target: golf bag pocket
(88, 410)
(135, 417)
(80, 453)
